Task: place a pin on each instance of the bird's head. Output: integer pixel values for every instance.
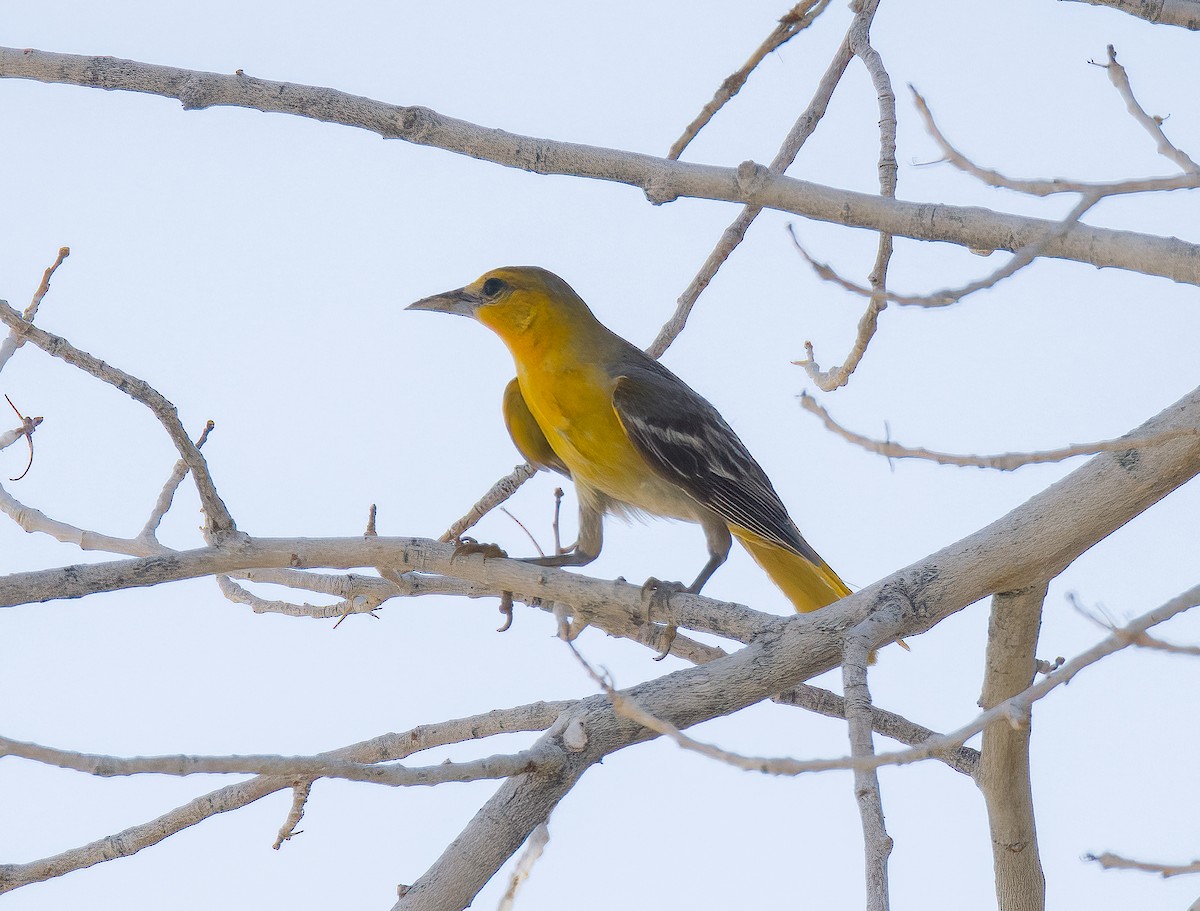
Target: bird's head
(521, 304)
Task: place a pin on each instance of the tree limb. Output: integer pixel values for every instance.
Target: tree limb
(1011, 553)
(661, 180)
(1003, 771)
(1183, 13)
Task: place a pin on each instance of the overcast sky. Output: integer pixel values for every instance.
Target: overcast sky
(254, 269)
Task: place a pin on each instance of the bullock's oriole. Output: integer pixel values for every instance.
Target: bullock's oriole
(632, 435)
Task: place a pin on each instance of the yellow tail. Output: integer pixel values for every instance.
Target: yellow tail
(807, 585)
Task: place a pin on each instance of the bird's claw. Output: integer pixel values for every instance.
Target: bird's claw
(666, 640)
(467, 546)
(657, 592)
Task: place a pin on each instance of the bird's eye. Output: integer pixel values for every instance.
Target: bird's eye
(492, 287)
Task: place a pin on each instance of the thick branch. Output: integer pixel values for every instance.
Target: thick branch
(1032, 543)
(661, 180)
(1003, 771)
(877, 844)
(1184, 13)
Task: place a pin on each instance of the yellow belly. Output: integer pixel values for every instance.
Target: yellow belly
(576, 414)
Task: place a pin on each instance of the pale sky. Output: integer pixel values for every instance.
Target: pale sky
(254, 269)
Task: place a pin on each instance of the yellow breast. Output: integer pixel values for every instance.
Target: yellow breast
(574, 409)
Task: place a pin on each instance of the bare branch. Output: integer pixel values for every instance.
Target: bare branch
(359, 604)
(34, 520)
(798, 18)
(28, 426)
(1153, 125)
(534, 717)
(499, 492)
(736, 232)
(1011, 553)
(288, 830)
(1110, 861)
(1008, 461)
(19, 433)
(1014, 710)
(167, 495)
(219, 520)
(1003, 772)
(829, 380)
(1140, 639)
(1045, 187)
(302, 767)
(534, 847)
(1021, 258)
(660, 179)
(1036, 540)
(877, 844)
(889, 724)
(12, 341)
(1184, 13)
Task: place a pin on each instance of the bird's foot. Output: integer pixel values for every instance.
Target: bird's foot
(657, 593)
(467, 546)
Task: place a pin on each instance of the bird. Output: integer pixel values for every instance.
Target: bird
(632, 436)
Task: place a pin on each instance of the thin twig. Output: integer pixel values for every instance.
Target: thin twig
(1110, 861)
(1140, 639)
(17, 433)
(1021, 257)
(1008, 461)
(868, 323)
(359, 604)
(1044, 188)
(220, 522)
(1153, 125)
(534, 847)
(13, 341)
(497, 494)
(528, 533)
(288, 830)
(1014, 710)
(387, 747)
(798, 18)
(303, 767)
(167, 494)
(733, 235)
(28, 426)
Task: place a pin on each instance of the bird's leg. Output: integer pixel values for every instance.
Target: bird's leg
(558, 498)
(716, 533)
(585, 549)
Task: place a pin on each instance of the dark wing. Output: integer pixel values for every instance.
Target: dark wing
(526, 433)
(687, 442)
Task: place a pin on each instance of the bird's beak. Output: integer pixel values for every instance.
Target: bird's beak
(462, 302)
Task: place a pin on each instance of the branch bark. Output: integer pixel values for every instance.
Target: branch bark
(1003, 771)
(660, 179)
(1183, 13)
(534, 717)
(1032, 543)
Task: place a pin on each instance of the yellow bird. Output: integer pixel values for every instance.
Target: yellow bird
(631, 435)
